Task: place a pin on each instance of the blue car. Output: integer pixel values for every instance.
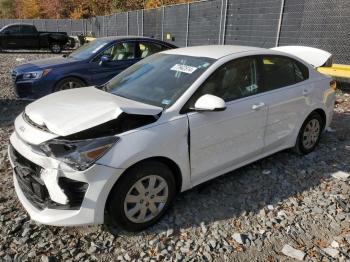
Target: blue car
(91, 65)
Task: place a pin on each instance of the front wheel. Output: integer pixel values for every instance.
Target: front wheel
(56, 48)
(142, 196)
(309, 134)
(69, 83)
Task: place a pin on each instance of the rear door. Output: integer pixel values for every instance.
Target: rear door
(222, 140)
(287, 88)
(122, 55)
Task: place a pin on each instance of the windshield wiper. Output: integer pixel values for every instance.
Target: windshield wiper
(103, 87)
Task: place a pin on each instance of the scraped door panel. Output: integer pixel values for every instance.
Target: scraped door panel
(285, 114)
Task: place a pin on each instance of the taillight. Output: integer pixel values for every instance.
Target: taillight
(333, 85)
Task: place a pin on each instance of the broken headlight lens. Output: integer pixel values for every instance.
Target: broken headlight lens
(79, 154)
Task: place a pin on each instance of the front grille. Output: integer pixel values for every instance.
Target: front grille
(28, 177)
(34, 189)
(14, 75)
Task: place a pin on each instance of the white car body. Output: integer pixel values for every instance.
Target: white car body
(203, 145)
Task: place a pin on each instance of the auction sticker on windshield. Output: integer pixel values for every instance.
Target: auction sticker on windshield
(184, 68)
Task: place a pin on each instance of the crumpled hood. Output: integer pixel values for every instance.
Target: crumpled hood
(71, 111)
(45, 63)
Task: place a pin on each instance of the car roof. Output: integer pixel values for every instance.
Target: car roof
(212, 51)
(19, 24)
(130, 37)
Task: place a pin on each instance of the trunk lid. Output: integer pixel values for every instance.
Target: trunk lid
(314, 56)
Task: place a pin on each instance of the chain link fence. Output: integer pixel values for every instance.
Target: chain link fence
(323, 24)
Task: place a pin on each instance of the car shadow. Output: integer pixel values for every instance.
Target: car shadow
(252, 188)
(10, 109)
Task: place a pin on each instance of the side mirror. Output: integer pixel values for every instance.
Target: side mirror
(104, 60)
(210, 103)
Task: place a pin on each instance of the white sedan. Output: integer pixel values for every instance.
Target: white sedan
(163, 126)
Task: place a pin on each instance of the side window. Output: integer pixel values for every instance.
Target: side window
(282, 71)
(234, 80)
(147, 49)
(119, 51)
(27, 29)
(13, 29)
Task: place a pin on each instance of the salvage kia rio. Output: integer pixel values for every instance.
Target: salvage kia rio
(164, 125)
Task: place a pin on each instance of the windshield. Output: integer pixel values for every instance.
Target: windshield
(159, 79)
(87, 50)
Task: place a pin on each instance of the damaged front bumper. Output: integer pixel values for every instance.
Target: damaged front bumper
(54, 196)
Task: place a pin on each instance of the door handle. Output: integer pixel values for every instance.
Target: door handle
(258, 106)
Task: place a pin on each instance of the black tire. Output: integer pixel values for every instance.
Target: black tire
(116, 202)
(56, 47)
(69, 83)
(300, 145)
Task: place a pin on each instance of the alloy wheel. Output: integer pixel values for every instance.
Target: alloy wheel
(311, 133)
(146, 199)
(56, 48)
(69, 85)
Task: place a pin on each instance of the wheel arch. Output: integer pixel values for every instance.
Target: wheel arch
(66, 77)
(323, 115)
(318, 110)
(173, 166)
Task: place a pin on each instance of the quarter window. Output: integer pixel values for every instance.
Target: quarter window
(147, 49)
(282, 71)
(231, 81)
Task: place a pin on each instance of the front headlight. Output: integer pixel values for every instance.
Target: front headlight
(79, 154)
(35, 74)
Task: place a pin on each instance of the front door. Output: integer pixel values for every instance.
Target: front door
(12, 37)
(122, 55)
(222, 140)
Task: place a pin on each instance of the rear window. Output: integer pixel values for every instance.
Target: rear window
(282, 71)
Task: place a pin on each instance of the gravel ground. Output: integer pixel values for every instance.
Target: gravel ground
(282, 208)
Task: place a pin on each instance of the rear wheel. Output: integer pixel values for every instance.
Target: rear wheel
(56, 48)
(309, 134)
(69, 83)
(142, 196)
